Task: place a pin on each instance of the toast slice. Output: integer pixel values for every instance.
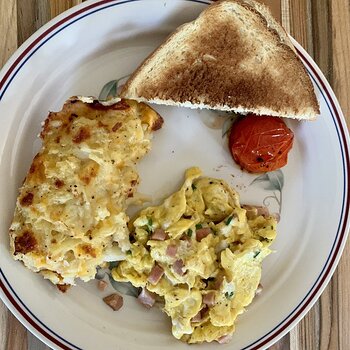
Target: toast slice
(233, 57)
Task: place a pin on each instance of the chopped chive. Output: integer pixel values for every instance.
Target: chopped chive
(198, 226)
(193, 187)
(189, 232)
(229, 295)
(256, 254)
(128, 252)
(228, 221)
(150, 222)
(113, 264)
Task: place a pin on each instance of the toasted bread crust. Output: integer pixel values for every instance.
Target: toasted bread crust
(234, 56)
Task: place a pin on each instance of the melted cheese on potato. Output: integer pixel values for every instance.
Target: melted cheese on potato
(70, 213)
(219, 250)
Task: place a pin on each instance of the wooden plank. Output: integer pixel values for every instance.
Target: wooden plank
(323, 30)
(341, 57)
(8, 30)
(58, 6)
(322, 36)
(12, 333)
(283, 344)
(31, 16)
(298, 12)
(35, 344)
(3, 325)
(285, 15)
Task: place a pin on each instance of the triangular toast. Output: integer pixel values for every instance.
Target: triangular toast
(233, 57)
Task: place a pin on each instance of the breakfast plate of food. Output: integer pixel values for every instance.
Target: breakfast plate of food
(173, 172)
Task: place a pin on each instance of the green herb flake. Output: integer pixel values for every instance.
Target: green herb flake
(128, 252)
(229, 295)
(113, 264)
(198, 226)
(256, 254)
(228, 221)
(189, 232)
(149, 224)
(194, 187)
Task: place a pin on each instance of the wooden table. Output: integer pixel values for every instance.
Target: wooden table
(323, 28)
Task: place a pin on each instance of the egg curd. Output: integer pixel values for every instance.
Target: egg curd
(201, 254)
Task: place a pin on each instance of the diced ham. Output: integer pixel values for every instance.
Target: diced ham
(204, 311)
(202, 233)
(276, 216)
(102, 285)
(114, 301)
(171, 250)
(156, 274)
(255, 210)
(178, 267)
(200, 315)
(218, 282)
(197, 317)
(146, 298)
(251, 211)
(159, 235)
(225, 339)
(263, 211)
(209, 299)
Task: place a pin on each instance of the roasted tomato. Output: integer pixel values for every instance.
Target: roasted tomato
(260, 143)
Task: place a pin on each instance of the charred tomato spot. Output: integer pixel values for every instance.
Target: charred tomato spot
(59, 183)
(63, 287)
(121, 105)
(158, 123)
(72, 116)
(116, 126)
(27, 199)
(82, 135)
(87, 249)
(25, 243)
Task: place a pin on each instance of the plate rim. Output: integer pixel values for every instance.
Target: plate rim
(45, 33)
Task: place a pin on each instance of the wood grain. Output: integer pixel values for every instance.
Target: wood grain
(8, 30)
(58, 6)
(31, 16)
(13, 336)
(323, 28)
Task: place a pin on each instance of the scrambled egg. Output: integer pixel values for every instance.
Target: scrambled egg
(207, 265)
(70, 212)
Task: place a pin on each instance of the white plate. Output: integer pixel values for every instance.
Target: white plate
(80, 51)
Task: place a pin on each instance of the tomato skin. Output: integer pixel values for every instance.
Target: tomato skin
(260, 143)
